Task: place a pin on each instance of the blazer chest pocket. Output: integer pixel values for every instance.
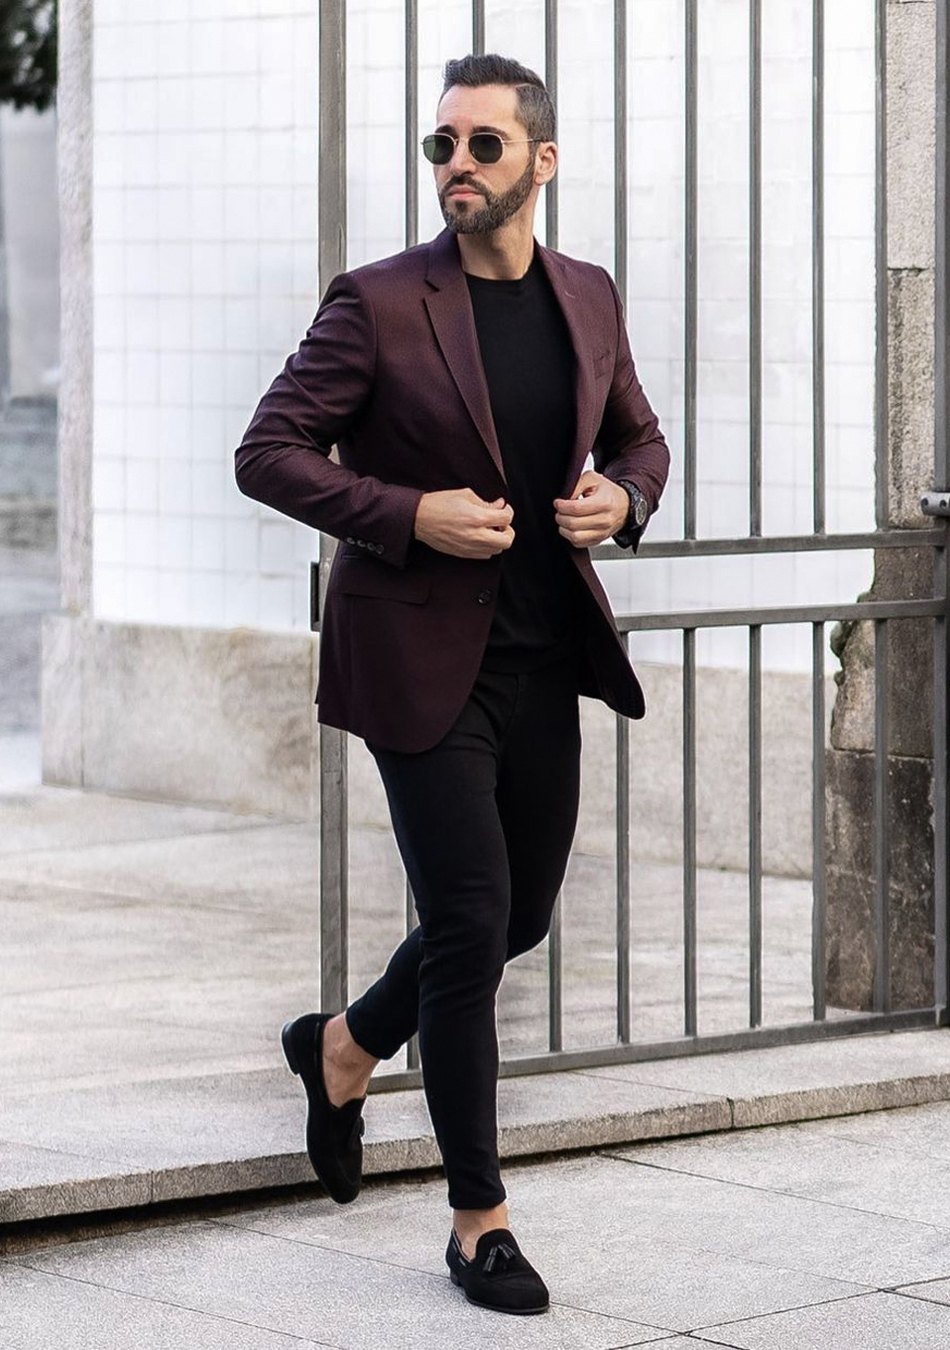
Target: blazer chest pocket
(360, 576)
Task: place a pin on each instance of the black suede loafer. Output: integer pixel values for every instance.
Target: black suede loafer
(499, 1275)
(334, 1133)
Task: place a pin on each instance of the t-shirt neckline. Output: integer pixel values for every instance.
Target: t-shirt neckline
(506, 283)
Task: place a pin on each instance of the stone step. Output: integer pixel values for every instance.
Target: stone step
(114, 1146)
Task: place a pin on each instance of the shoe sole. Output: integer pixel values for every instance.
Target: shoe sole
(286, 1040)
(494, 1306)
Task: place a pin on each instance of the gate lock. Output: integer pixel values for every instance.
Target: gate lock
(935, 503)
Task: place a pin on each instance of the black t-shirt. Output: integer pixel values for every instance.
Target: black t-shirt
(528, 359)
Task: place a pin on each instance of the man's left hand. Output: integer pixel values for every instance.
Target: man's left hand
(595, 510)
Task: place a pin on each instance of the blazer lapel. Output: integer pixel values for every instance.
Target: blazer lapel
(450, 311)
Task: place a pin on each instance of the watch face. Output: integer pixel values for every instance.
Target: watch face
(638, 502)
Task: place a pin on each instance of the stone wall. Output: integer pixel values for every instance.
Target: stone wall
(226, 718)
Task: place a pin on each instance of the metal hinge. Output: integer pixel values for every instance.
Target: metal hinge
(935, 503)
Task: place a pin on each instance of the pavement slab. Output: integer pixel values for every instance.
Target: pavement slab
(318, 1293)
(47, 1312)
(933, 1291)
(816, 1161)
(49, 820)
(832, 1076)
(879, 1321)
(582, 1223)
(841, 1242)
(633, 1255)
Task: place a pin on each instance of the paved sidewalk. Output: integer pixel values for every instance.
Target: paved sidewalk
(831, 1233)
(152, 950)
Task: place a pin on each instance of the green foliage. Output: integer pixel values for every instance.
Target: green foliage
(28, 53)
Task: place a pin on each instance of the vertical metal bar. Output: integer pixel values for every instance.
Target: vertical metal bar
(623, 726)
(620, 147)
(755, 824)
(691, 294)
(555, 982)
(881, 455)
(411, 57)
(940, 816)
(941, 481)
(623, 877)
(478, 27)
(882, 980)
(818, 267)
(689, 830)
(882, 962)
(550, 79)
(332, 259)
(412, 1045)
(334, 870)
(411, 232)
(818, 883)
(755, 267)
(331, 186)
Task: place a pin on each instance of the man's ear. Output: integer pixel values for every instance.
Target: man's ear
(550, 145)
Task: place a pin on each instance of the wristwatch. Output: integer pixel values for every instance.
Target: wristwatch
(637, 515)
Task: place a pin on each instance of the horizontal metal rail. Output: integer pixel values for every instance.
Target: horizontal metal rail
(680, 1047)
(742, 617)
(781, 543)
(714, 618)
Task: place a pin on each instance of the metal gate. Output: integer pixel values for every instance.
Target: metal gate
(933, 537)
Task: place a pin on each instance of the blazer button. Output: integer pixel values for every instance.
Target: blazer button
(484, 597)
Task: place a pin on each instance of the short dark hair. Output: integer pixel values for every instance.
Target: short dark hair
(534, 107)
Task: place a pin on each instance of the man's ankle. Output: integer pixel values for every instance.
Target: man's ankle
(469, 1224)
(341, 1048)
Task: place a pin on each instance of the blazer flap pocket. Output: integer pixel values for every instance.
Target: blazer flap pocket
(361, 576)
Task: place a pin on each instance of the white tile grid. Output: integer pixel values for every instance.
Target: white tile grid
(245, 173)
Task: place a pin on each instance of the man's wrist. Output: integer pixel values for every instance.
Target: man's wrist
(638, 511)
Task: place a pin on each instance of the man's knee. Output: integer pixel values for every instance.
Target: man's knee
(468, 951)
(527, 932)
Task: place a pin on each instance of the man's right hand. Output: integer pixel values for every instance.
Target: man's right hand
(458, 521)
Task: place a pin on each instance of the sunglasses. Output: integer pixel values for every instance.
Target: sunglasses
(486, 146)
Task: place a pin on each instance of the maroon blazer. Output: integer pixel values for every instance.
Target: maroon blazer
(390, 372)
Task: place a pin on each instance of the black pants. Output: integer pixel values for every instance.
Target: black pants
(484, 821)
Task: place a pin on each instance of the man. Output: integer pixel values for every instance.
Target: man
(465, 381)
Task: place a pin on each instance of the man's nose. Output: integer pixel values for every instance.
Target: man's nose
(462, 160)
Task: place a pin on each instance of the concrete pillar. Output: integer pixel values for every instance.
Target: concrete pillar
(898, 574)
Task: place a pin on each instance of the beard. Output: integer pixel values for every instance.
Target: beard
(498, 207)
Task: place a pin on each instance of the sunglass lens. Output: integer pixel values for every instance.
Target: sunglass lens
(486, 147)
(438, 148)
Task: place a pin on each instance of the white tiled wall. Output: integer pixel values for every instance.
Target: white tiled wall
(205, 248)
